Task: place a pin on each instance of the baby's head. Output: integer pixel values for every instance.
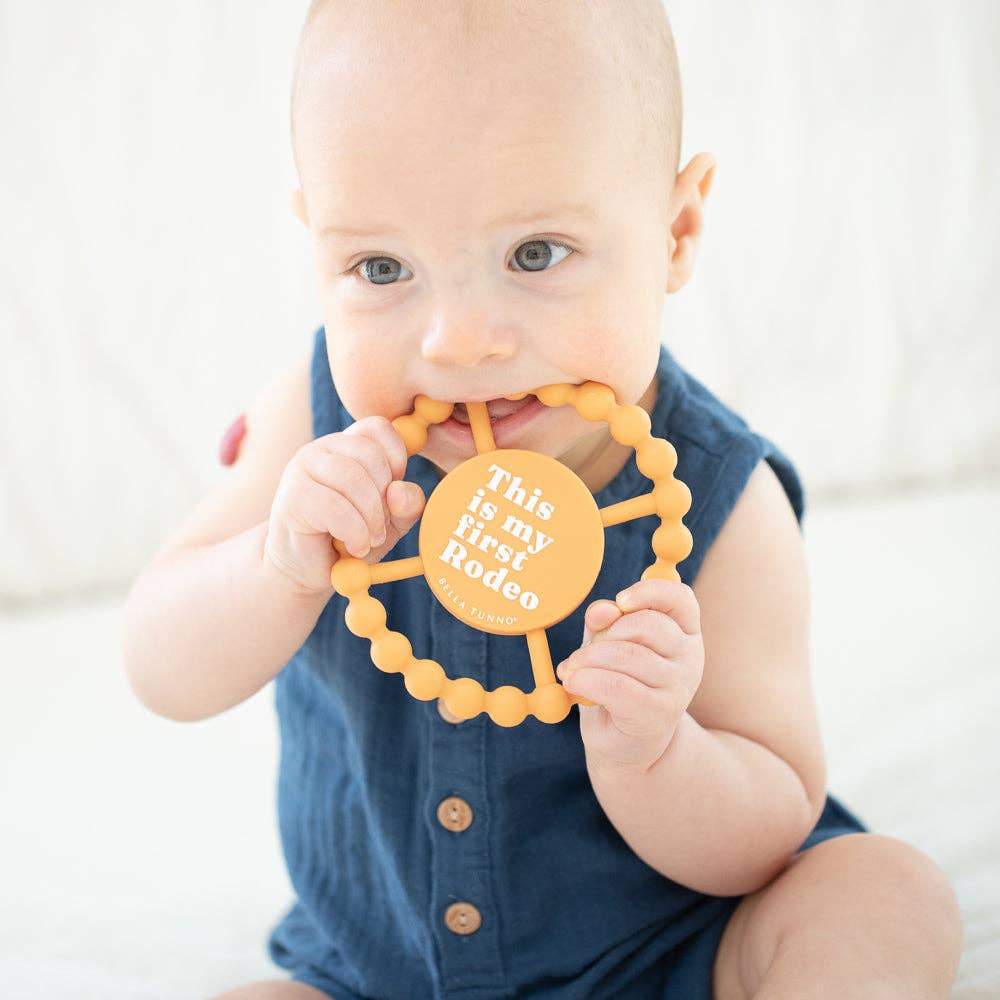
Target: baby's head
(493, 195)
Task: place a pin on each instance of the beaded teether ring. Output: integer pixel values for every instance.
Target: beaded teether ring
(511, 541)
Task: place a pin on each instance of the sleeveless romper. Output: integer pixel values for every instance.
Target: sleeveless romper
(565, 908)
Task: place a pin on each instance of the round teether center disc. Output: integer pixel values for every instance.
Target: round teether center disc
(511, 541)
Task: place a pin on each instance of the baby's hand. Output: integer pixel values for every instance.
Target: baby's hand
(344, 486)
(642, 668)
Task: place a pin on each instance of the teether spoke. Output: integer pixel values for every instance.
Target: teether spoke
(541, 658)
(482, 428)
(541, 662)
(628, 510)
(396, 569)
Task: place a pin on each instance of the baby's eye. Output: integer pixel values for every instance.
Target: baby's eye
(380, 270)
(535, 254)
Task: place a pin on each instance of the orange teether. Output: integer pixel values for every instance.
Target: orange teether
(511, 542)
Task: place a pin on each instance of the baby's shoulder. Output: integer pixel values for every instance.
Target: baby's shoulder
(281, 411)
(255, 449)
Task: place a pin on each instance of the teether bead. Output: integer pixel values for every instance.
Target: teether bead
(655, 458)
(465, 697)
(507, 705)
(391, 651)
(413, 431)
(349, 575)
(593, 400)
(672, 498)
(423, 679)
(555, 395)
(365, 615)
(630, 425)
(672, 542)
(432, 411)
(549, 703)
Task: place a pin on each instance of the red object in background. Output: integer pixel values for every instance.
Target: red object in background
(229, 448)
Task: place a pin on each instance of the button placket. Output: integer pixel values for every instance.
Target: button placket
(463, 914)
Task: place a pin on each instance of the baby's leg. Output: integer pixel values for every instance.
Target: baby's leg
(273, 989)
(856, 916)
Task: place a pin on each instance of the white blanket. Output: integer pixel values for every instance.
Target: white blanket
(139, 857)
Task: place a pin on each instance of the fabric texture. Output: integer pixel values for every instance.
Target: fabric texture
(568, 910)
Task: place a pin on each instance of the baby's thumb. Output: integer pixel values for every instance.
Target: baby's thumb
(599, 616)
(406, 503)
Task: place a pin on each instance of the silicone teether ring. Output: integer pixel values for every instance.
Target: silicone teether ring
(454, 519)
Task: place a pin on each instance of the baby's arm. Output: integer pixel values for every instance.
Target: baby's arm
(209, 625)
(208, 621)
(224, 605)
(743, 779)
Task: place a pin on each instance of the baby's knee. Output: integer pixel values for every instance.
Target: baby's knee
(913, 876)
(906, 885)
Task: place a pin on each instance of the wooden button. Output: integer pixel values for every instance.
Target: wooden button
(446, 712)
(462, 918)
(455, 814)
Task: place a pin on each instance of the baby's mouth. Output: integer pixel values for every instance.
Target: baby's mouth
(496, 408)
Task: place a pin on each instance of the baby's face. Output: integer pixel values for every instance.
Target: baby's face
(481, 228)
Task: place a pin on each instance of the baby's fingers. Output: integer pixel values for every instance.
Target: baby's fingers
(388, 441)
(348, 479)
(614, 656)
(650, 628)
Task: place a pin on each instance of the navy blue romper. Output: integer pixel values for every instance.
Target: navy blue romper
(565, 909)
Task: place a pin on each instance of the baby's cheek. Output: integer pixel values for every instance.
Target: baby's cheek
(229, 447)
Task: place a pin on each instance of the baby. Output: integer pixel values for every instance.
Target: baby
(493, 197)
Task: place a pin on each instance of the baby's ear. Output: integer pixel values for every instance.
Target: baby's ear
(299, 207)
